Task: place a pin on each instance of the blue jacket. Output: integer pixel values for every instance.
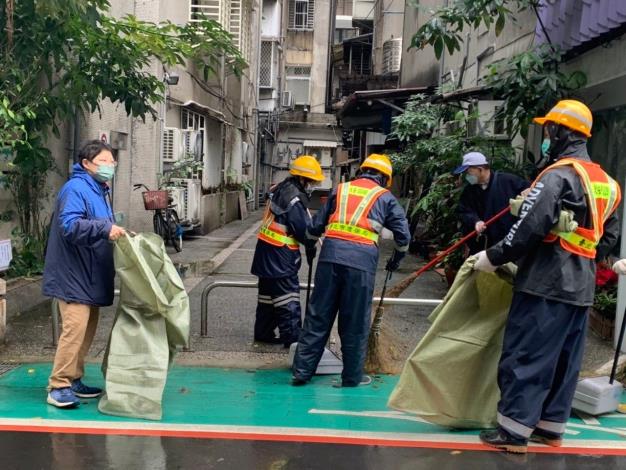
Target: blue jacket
(79, 258)
(288, 203)
(386, 211)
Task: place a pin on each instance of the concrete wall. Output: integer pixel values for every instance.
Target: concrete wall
(421, 68)
(388, 24)
(319, 70)
(363, 9)
(271, 18)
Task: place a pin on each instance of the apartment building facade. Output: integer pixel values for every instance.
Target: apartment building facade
(293, 88)
(212, 122)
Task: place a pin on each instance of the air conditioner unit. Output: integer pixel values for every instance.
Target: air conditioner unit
(192, 194)
(179, 201)
(172, 144)
(287, 101)
(392, 56)
(193, 145)
(483, 121)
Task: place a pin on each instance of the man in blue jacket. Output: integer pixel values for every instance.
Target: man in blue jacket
(487, 193)
(277, 256)
(352, 219)
(79, 268)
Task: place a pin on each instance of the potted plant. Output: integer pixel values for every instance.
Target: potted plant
(602, 314)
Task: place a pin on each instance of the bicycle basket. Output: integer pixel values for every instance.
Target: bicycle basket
(153, 200)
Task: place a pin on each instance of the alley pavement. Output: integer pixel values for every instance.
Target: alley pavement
(226, 254)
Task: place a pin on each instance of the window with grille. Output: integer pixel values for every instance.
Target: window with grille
(217, 10)
(301, 14)
(298, 78)
(266, 64)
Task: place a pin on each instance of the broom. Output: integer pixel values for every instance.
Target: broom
(378, 358)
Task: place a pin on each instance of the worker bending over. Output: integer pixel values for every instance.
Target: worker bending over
(352, 219)
(277, 255)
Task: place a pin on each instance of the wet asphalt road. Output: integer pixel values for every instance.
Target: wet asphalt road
(29, 451)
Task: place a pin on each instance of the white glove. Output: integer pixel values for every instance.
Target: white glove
(483, 263)
(480, 226)
(620, 266)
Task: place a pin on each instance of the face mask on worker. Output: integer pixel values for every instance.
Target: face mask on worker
(545, 147)
(471, 179)
(104, 173)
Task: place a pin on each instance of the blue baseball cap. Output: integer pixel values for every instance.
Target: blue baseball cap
(471, 159)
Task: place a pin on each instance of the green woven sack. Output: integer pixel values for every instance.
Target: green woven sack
(151, 324)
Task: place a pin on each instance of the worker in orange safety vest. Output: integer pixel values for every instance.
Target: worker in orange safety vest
(352, 220)
(555, 282)
(277, 257)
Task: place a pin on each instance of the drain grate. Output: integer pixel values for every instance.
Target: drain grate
(6, 367)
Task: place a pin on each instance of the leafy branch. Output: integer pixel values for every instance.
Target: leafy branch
(447, 23)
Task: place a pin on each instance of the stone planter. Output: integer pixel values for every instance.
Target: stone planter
(602, 326)
(210, 211)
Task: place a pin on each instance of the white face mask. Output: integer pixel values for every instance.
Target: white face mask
(471, 179)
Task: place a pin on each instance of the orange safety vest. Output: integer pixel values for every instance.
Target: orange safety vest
(603, 197)
(349, 221)
(274, 233)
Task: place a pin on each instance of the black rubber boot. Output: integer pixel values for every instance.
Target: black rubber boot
(503, 440)
(546, 437)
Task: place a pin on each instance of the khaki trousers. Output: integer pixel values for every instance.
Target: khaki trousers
(79, 327)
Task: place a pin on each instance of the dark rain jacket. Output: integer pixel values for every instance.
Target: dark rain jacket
(386, 211)
(546, 269)
(79, 257)
(289, 203)
(476, 204)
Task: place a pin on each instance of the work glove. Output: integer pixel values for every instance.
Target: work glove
(393, 263)
(311, 252)
(515, 205)
(566, 221)
(480, 226)
(483, 263)
(620, 266)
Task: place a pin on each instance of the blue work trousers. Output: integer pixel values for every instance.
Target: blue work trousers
(540, 362)
(278, 306)
(347, 291)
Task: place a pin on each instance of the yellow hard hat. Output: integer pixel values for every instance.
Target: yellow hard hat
(307, 167)
(381, 163)
(569, 113)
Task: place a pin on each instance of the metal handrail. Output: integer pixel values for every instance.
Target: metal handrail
(204, 305)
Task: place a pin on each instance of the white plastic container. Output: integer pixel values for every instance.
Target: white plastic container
(329, 364)
(596, 396)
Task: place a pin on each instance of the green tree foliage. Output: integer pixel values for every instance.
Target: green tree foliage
(60, 57)
(447, 23)
(435, 136)
(530, 83)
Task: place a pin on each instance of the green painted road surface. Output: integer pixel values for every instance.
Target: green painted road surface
(262, 403)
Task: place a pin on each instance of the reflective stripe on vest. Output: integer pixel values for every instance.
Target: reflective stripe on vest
(603, 197)
(349, 221)
(274, 233)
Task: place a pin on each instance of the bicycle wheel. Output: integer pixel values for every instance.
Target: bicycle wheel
(175, 232)
(159, 225)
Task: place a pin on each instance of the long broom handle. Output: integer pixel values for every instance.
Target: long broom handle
(618, 349)
(308, 289)
(411, 277)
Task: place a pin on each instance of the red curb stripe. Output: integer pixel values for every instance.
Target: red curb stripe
(365, 441)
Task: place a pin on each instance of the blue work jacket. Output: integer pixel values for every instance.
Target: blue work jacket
(79, 257)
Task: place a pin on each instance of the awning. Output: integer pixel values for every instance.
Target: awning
(211, 112)
(373, 110)
(320, 144)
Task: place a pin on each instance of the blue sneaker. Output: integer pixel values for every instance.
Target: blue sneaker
(84, 391)
(62, 398)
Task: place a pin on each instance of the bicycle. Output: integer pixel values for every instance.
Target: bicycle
(165, 220)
